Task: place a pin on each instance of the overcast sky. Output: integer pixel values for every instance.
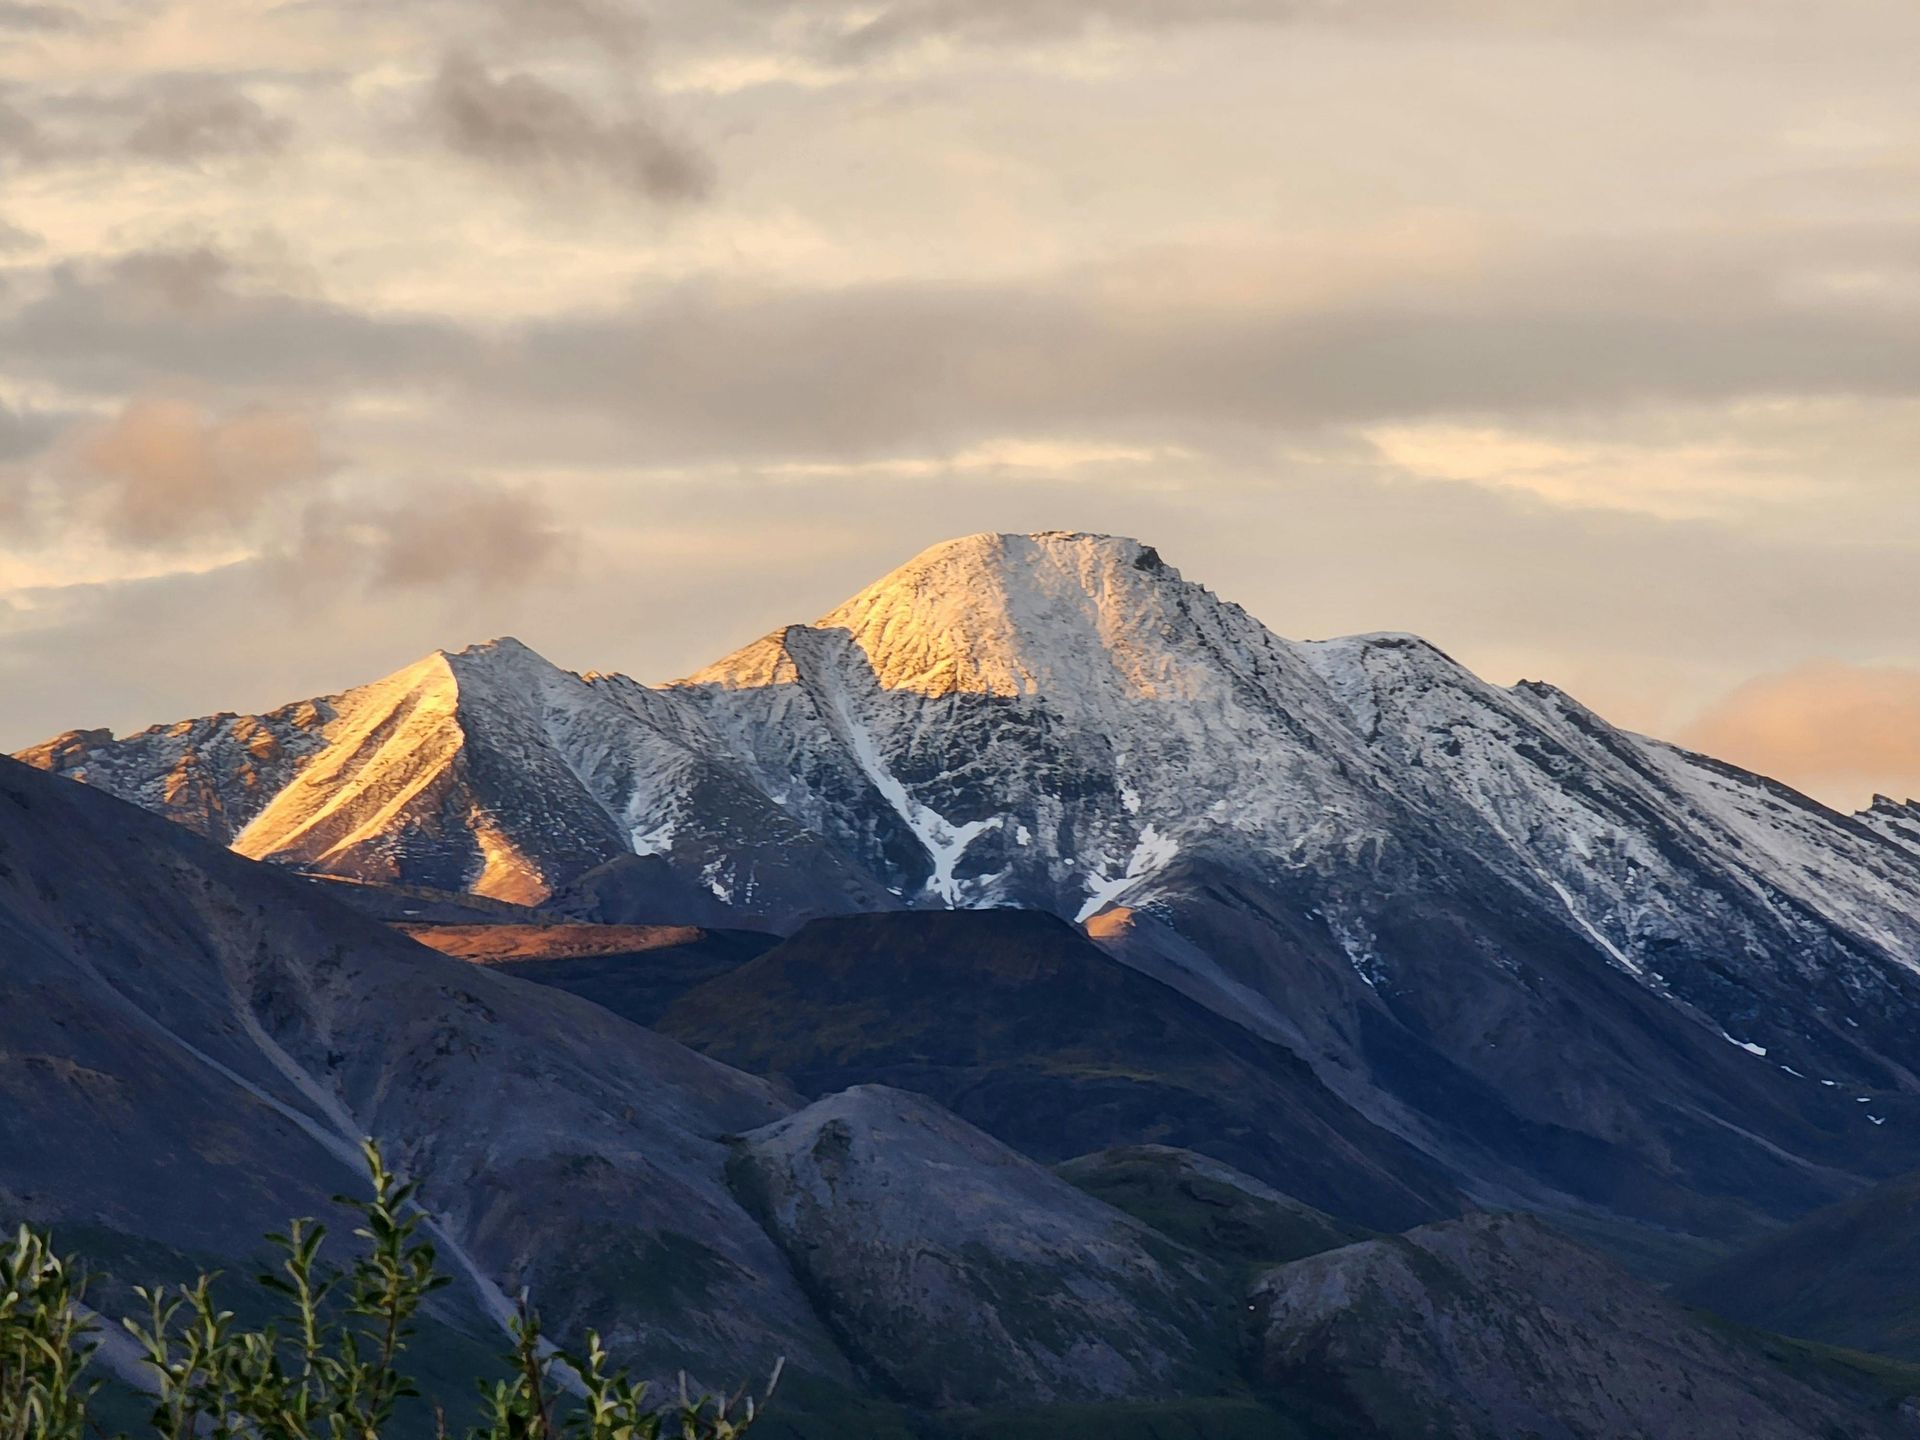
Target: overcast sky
(1581, 336)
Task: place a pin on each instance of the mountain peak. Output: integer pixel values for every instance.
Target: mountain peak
(503, 646)
(1008, 615)
(1083, 552)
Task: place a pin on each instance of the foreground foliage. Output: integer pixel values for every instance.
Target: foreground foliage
(329, 1368)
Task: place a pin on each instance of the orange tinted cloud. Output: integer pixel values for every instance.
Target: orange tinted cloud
(166, 471)
(1838, 732)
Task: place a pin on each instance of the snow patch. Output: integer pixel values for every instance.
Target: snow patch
(1746, 1045)
(657, 841)
(1151, 852)
(943, 841)
(1621, 958)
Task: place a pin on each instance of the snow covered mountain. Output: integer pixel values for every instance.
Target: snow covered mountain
(490, 771)
(1570, 961)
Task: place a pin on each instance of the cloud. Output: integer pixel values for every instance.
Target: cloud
(169, 485)
(611, 27)
(169, 472)
(521, 125)
(1692, 479)
(1837, 731)
(858, 370)
(1450, 367)
(23, 432)
(192, 118)
(166, 473)
(893, 24)
(23, 15)
(21, 138)
(441, 535)
(176, 314)
(904, 22)
(184, 280)
(174, 119)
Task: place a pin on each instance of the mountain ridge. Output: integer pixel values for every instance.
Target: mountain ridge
(1426, 885)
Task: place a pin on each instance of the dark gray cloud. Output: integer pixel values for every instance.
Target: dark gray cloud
(612, 27)
(22, 141)
(524, 126)
(191, 118)
(175, 119)
(26, 432)
(906, 21)
(151, 316)
(707, 371)
(15, 239)
(192, 279)
(860, 371)
(894, 23)
(23, 15)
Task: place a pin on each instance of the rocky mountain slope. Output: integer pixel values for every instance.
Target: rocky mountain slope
(216, 1028)
(193, 1044)
(1579, 968)
(930, 1246)
(1495, 1326)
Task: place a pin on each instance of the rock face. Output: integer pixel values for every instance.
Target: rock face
(1018, 1024)
(1494, 1328)
(1897, 820)
(1207, 1206)
(1588, 970)
(959, 1273)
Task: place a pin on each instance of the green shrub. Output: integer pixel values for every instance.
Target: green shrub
(329, 1369)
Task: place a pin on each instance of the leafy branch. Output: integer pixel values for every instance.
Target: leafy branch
(329, 1366)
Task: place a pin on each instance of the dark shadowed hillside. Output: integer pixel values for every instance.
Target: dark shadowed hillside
(1016, 1022)
(1846, 1275)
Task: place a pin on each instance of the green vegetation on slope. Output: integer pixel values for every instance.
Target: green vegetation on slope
(329, 1367)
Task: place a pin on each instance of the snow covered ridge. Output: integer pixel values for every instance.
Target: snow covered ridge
(1059, 721)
